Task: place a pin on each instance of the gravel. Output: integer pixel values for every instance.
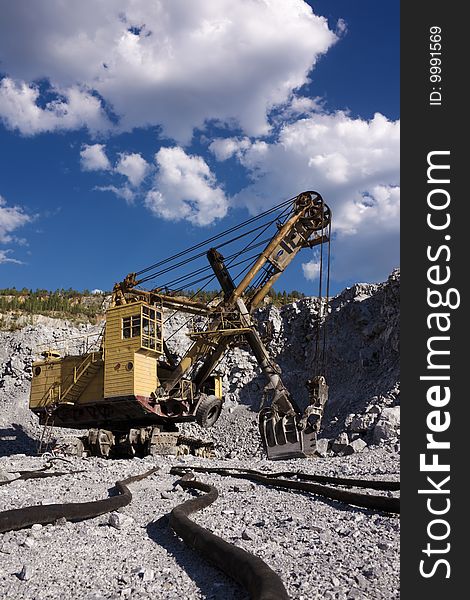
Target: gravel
(319, 547)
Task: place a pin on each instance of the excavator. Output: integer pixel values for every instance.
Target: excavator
(131, 391)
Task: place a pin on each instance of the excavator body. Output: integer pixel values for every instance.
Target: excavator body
(131, 391)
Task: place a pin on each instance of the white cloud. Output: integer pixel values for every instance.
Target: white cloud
(93, 158)
(354, 164)
(123, 192)
(133, 166)
(174, 64)
(224, 148)
(311, 270)
(185, 188)
(73, 108)
(300, 105)
(11, 218)
(4, 258)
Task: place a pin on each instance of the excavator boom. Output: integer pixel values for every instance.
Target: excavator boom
(284, 430)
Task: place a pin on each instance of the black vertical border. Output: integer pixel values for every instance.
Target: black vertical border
(428, 128)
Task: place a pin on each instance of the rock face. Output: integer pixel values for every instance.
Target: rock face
(361, 367)
(362, 347)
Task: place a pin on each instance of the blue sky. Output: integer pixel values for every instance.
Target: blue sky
(129, 131)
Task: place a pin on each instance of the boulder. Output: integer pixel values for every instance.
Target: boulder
(119, 520)
(361, 423)
(358, 445)
(322, 447)
(391, 415)
(340, 443)
(388, 426)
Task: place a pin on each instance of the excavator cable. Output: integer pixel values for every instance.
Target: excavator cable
(263, 227)
(248, 246)
(321, 326)
(179, 280)
(188, 286)
(373, 484)
(179, 328)
(283, 215)
(325, 324)
(317, 358)
(259, 580)
(211, 278)
(215, 237)
(256, 283)
(19, 518)
(385, 504)
(199, 255)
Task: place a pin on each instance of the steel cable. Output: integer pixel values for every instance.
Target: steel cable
(215, 237)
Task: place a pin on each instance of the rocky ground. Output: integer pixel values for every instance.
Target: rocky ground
(320, 549)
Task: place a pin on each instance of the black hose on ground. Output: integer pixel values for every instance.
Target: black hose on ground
(260, 581)
(19, 518)
(381, 503)
(39, 474)
(373, 484)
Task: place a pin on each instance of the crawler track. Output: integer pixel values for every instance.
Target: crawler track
(19, 518)
(279, 480)
(260, 581)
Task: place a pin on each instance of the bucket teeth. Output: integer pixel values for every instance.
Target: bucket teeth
(283, 437)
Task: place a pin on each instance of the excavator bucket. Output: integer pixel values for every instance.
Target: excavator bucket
(287, 434)
(283, 436)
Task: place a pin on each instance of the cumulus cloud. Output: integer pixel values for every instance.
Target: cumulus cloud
(301, 105)
(353, 163)
(156, 63)
(11, 218)
(224, 148)
(72, 108)
(133, 166)
(93, 158)
(311, 270)
(185, 188)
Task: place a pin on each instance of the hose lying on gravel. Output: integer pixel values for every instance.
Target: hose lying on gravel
(382, 503)
(372, 484)
(39, 474)
(261, 582)
(19, 518)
